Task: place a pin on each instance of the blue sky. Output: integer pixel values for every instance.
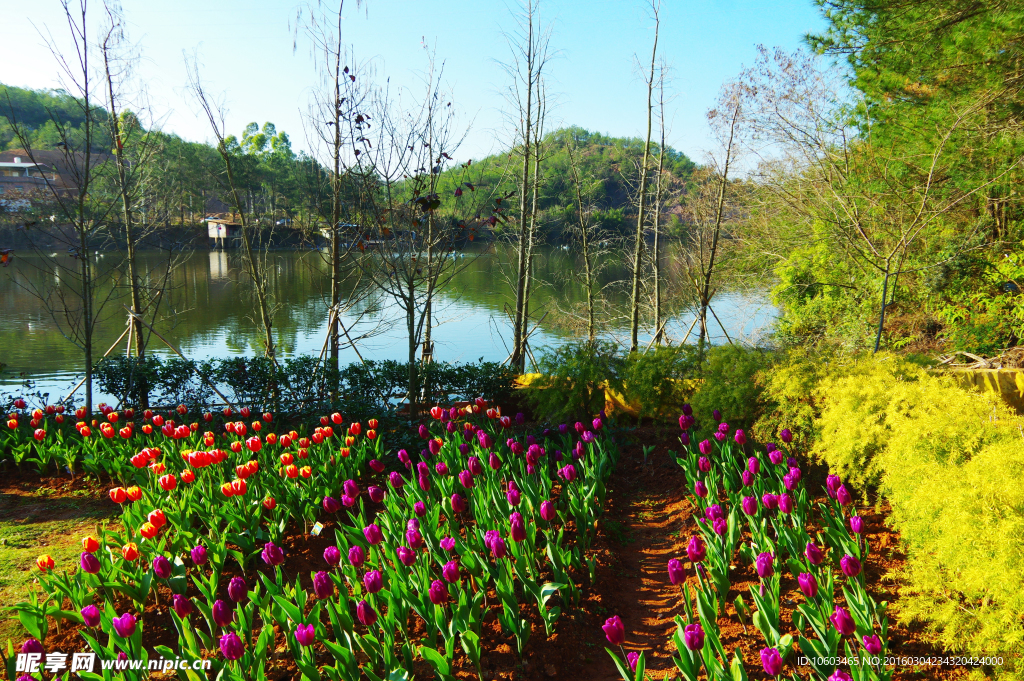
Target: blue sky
(246, 49)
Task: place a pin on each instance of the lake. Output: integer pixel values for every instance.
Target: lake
(209, 311)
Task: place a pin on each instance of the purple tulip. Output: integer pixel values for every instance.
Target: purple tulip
(485, 440)
(685, 422)
(199, 555)
(403, 456)
(419, 508)
(365, 614)
(372, 581)
(223, 614)
(406, 555)
(377, 466)
(705, 447)
(872, 644)
(843, 496)
(693, 637)
(747, 478)
(347, 501)
(475, 467)
(514, 496)
(91, 616)
(786, 436)
(373, 534)
(753, 465)
(414, 538)
(438, 592)
(466, 479)
(423, 432)
(323, 587)
(162, 567)
(765, 565)
(351, 488)
(842, 621)
(567, 473)
(31, 646)
(704, 464)
(814, 554)
(450, 571)
(700, 489)
(808, 584)
(124, 625)
(238, 590)
(714, 511)
(850, 566)
(696, 550)
(614, 631)
(687, 409)
(856, 524)
(547, 510)
(840, 675)
(749, 505)
(785, 503)
(632, 657)
(305, 634)
(684, 437)
(518, 527)
(740, 437)
(90, 563)
(272, 555)
(493, 461)
(396, 480)
(331, 505)
(720, 526)
(231, 646)
(448, 544)
(463, 447)
(333, 556)
(424, 482)
(182, 605)
(832, 483)
(789, 481)
(716, 415)
(497, 545)
(775, 456)
(770, 501)
(676, 573)
(771, 660)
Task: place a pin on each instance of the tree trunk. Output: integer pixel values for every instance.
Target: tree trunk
(522, 272)
(634, 319)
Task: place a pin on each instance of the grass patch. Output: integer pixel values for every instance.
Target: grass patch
(34, 523)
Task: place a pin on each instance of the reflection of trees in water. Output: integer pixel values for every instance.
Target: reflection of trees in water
(209, 306)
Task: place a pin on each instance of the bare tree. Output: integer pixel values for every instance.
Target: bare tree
(336, 124)
(255, 266)
(708, 206)
(75, 300)
(638, 245)
(587, 239)
(408, 242)
(529, 47)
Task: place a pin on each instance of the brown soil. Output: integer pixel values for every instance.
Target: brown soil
(648, 521)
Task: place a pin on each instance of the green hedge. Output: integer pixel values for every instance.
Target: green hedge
(297, 385)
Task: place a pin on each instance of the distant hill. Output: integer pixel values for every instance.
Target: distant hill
(608, 166)
(37, 111)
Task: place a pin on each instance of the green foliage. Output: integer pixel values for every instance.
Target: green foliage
(658, 380)
(948, 461)
(572, 379)
(605, 163)
(728, 383)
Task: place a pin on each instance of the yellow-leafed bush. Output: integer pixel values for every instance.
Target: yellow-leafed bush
(950, 462)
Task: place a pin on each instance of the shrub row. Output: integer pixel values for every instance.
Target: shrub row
(298, 385)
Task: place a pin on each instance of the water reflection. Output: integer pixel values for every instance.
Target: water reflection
(209, 311)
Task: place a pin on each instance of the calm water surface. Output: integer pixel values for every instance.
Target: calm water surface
(209, 311)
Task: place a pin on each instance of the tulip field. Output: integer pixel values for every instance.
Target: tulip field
(756, 509)
(487, 515)
(286, 550)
